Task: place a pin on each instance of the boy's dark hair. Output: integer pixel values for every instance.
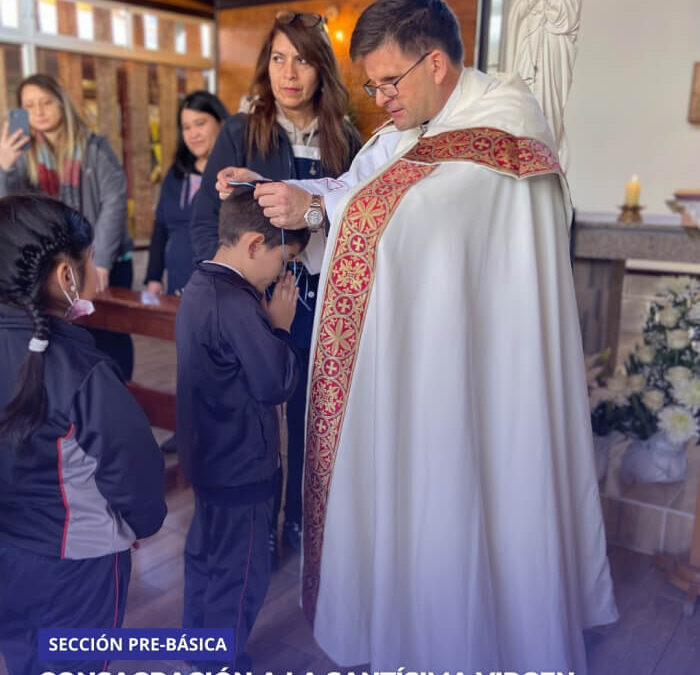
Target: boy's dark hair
(241, 213)
(417, 27)
(201, 101)
(35, 231)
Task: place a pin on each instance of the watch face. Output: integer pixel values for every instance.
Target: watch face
(313, 217)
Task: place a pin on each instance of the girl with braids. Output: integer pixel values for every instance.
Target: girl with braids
(295, 128)
(81, 477)
(64, 159)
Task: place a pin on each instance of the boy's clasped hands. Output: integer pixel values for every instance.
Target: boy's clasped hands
(282, 306)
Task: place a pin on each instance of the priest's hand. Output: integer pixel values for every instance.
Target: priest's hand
(283, 304)
(235, 174)
(284, 204)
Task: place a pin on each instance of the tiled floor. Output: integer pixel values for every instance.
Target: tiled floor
(652, 637)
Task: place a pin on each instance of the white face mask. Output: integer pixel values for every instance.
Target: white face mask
(78, 306)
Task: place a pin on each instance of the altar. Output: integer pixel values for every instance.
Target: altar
(602, 249)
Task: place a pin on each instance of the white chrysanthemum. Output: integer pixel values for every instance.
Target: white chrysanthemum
(676, 375)
(596, 396)
(653, 399)
(645, 353)
(678, 423)
(688, 394)
(636, 382)
(668, 317)
(677, 285)
(677, 339)
(616, 389)
(694, 312)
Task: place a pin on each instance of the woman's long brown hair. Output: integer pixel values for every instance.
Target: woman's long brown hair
(73, 132)
(330, 100)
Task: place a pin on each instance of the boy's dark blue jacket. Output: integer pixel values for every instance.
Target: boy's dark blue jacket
(91, 478)
(233, 368)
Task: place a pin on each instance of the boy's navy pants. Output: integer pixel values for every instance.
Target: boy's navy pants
(227, 568)
(38, 591)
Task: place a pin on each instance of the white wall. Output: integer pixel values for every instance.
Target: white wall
(628, 107)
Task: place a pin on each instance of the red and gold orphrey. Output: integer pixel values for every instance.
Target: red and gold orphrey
(346, 298)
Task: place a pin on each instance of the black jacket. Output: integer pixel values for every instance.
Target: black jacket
(91, 478)
(233, 368)
(231, 149)
(171, 244)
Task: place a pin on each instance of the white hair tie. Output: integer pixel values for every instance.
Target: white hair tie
(37, 345)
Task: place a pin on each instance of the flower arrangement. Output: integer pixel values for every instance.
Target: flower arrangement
(659, 389)
(607, 394)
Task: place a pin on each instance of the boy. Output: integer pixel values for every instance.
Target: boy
(235, 363)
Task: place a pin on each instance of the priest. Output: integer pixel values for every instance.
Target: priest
(451, 513)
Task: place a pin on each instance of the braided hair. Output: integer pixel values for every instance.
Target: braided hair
(35, 231)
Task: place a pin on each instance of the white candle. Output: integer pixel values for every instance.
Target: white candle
(632, 189)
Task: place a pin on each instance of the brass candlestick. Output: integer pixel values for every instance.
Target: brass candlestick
(630, 214)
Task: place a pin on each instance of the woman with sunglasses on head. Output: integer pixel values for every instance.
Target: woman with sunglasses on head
(64, 159)
(199, 120)
(295, 128)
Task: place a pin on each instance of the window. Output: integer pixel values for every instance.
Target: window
(86, 28)
(205, 33)
(48, 17)
(180, 38)
(9, 15)
(150, 30)
(495, 29)
(120, 27)
(493, 13)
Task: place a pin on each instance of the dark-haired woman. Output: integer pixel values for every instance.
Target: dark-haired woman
(64, 159)
(81, 476)
(295, 128)
(199, 119)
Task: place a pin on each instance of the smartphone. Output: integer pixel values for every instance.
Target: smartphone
(18, 118)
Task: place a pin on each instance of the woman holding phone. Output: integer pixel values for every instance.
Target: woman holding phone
(64, 159)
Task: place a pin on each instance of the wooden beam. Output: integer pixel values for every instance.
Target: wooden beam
(168, 105)
(67, 18)
(108, 111)
(102, 20)
(194, 79)
(137, 148)
(166, 34)
(138, 32)
(70, 73)
(194, 39)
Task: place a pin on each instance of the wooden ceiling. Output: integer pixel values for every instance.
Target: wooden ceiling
(203, 8)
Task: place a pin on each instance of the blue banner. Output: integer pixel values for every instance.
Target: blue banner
(195, 644)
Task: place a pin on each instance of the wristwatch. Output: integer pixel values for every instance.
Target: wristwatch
(314, 215)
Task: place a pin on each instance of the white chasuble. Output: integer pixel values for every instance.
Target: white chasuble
(451, 512)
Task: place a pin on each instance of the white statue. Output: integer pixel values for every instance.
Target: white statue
(540, 44)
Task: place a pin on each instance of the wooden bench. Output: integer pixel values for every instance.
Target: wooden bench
(122, 310)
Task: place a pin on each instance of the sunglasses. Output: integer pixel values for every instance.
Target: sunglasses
(286, 17)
